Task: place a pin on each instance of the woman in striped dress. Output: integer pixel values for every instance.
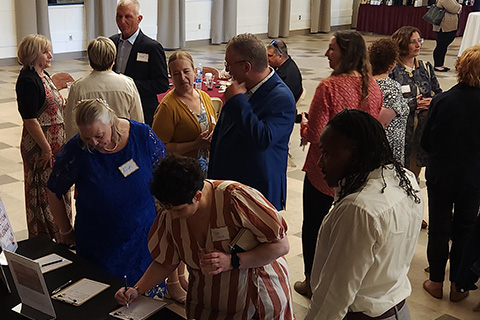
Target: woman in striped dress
(198, 220)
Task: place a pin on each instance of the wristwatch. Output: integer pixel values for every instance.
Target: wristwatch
(235, 260)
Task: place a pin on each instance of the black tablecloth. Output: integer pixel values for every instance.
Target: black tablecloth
(95, 308)
(387, 19)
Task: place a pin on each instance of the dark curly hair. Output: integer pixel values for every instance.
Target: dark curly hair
(371, 151)
(383, 54)
(176, 179)
(402, 38)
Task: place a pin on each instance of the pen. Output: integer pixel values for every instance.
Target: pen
(63, 286)
(51, 262)
(126, 288)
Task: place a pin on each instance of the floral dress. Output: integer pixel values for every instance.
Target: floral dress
(421, 80)
(40, 221)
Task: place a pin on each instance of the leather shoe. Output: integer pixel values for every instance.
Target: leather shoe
(303, 288)
(455, 295)
(441, 69)
(434, 292)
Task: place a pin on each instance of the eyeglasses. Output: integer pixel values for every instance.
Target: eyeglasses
(227, 66)
(275, 44)
(420, 41)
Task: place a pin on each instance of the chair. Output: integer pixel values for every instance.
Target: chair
(61, 80)
(217, 105)
(212, 70)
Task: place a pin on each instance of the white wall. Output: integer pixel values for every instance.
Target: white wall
(300, 14)
(67, 28)
(66, 21)
(8, 36)
(342, 12)
(252, 16)
(198, 19)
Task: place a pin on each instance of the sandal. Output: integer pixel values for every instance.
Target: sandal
(183, 281)
(176, 292)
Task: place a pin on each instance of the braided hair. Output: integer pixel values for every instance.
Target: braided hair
(371, 152)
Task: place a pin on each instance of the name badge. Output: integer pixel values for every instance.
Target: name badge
(220, 234)
(142, 57)
(406, 88)
(128, 168)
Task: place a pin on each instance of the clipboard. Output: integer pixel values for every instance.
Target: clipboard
(140, 309)
(52, 262)
(80, 292)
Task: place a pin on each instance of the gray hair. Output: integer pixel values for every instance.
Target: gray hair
(123, 3)
(88, 111)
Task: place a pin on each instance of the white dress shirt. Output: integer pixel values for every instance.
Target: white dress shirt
(364, 249)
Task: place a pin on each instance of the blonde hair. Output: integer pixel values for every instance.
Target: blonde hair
(180, 54)
(468, 66)
(88, 111)
(31, 47)
(101, 53)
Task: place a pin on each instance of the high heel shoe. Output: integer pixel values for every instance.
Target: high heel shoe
(434, 292)
(176, 292)
(183, 281)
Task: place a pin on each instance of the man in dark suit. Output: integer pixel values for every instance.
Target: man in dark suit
(250, 141)
(139, 57)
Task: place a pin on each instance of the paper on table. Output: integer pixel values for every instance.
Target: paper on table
(142, 308)
(80, 292)
(52, 258)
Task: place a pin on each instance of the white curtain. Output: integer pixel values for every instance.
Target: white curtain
(100, 18)
(320, 15)
(223, 21)
(171, 23)
(31, 17)
(279, 18)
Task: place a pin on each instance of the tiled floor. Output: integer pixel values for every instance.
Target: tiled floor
(308, 52)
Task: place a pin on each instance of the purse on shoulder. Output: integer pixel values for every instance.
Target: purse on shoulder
(434, 15)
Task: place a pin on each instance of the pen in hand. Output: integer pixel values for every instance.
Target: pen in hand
(63, 286)
(126, 288)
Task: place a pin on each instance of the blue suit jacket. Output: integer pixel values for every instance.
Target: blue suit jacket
(250, 141)
(151, 78)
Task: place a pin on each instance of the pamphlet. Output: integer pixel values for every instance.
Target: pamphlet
(142, 308)
(7, 238)
(80, 292)
(51, 262)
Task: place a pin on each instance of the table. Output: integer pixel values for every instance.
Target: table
(96, 308)
(386, 20)
(471, 36)
(212, 93)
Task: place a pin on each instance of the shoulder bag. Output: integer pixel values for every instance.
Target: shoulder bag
(434, 15)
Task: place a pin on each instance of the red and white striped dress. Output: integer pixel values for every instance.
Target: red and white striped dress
(259, 293)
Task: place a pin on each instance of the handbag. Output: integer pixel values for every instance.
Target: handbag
(434, 15)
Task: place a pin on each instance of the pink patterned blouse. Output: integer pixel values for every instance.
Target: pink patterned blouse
(334, 94)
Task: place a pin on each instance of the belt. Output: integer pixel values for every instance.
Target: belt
(361, 316)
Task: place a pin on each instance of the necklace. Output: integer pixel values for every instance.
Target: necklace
(113, 149)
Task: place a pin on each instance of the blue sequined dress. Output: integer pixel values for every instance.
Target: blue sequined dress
(114, 213)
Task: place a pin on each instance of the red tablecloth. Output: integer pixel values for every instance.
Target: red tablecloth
(387, 19)
(211, 93)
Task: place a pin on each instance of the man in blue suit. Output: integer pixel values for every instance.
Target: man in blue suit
(250, 141)
(139, 57)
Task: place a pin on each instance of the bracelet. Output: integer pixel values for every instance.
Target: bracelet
(136, 288)
(65, 233)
